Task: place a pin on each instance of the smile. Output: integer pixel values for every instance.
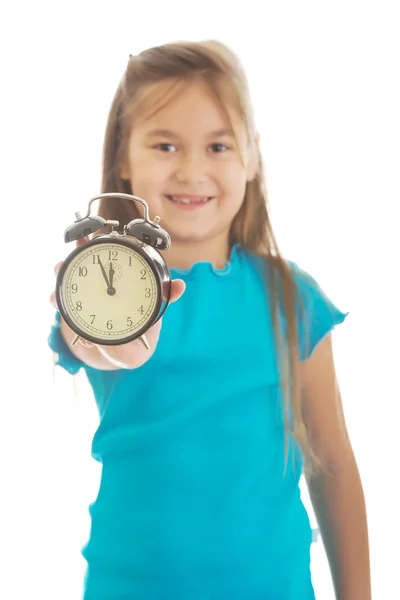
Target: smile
(185, 199)
(188, 202)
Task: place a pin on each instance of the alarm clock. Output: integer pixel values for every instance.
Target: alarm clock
(112, 288)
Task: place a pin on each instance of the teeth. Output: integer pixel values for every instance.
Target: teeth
(187, 200)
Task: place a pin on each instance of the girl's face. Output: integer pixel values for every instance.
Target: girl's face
(185, 163)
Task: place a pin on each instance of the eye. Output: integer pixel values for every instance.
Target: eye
(218, 148)
(165, 147)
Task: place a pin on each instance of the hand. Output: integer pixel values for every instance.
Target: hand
(134, 354)
(126, 356)
(111, 289)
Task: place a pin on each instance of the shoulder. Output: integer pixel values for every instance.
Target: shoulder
(317, 314)
(305, 282)
(320, 314)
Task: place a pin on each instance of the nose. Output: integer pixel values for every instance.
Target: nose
(191, 169)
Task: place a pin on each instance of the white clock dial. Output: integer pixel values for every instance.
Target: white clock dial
(109, 292)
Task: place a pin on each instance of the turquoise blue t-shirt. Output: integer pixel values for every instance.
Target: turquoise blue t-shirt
(193, 502)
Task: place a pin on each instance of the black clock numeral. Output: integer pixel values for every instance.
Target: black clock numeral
(129, 322)
(130, 261)
(109, 324)
(143, 274)
(93, 318)
(82, 272)
(141, 310)
(148, 293)
(74, 288)
(79, 305)
(96, 259)
(113, 255)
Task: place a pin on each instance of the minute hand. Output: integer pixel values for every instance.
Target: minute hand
(103, 272)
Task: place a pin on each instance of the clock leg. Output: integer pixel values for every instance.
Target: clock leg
(145, 342)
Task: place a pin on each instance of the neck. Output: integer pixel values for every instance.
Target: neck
(184, 254)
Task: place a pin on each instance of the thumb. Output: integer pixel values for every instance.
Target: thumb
(178, 287)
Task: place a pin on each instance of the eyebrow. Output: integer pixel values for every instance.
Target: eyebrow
(171, 134)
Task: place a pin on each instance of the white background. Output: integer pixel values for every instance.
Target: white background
(325, 83)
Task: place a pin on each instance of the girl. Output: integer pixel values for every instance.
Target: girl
(203, 438)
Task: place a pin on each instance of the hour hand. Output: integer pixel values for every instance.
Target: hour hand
(111, 289)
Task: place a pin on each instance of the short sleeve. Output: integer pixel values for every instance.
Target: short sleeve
(66, 359)
(321, 315)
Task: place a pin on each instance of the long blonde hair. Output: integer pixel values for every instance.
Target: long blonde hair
(216, 65)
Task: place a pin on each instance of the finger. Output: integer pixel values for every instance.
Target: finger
(53, 300)
(86, 343)
(178, 286)
(81, 241)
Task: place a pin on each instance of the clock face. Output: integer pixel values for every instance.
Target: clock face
(108, 292)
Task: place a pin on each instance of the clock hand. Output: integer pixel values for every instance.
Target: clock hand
(111, 289)
(103, 272)
(111, 274)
